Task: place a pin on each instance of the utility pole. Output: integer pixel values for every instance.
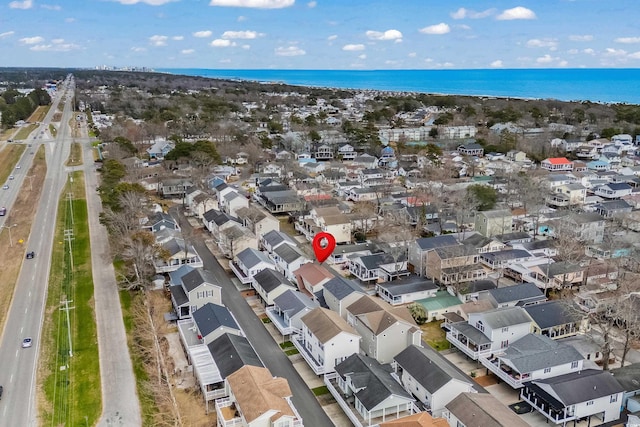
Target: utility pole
(9, 227)
(68, 236)
(67, 308)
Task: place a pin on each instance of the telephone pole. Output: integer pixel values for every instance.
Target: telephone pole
(67, 308)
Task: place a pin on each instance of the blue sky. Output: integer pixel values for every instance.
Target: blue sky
(321, 34)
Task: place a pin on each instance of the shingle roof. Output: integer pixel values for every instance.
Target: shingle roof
(326, 324)
(505, 316)
(231, 352)
(515, 293)
(408, 285)
(178, 295)
(340, 287)
(175, 277)
(250, 257)
(628, 376)
(275, 237)
(534, 352)
(505, 255)
(210, 317)
(270, 279)
(196, 278)
(553, 313)
(477, 286)
(578, 387)
(429, 368)
(292, 302)
(289, 253)
(483, 410)
(373, 378)
(428, 243)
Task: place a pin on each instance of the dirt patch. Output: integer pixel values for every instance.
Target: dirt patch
(57, 117)
(192, 409)
(486, 380)
(39, 114)
(21, 214)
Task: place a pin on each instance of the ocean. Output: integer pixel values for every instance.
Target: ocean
(603, 85)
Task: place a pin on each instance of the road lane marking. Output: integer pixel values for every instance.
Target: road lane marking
(21, 329)
(29, 293)
(11, 379)
(26, 309)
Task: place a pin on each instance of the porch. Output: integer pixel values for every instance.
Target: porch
(513, 378)
(547, 405)
(316, 366)
(237, 270)
(469, 340)
(279, 321)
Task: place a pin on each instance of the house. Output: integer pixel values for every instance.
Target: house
(430, 377)
(471, 150)
(516, 156)
(406, 290)
(568, 195)
(274, 238)
(280, 202)
(256, 399)
(213, 320)
(323, 152)
(257, 220)
(421, 419)
(160, 221)
(327, 219)
(346, 152)
(269, 284)
(613, 208)
(342, 253)
(585, 227)
(501, 259)
(232, 202)
(471, 291)
(160, 148)
(365, 161)
(613, 190)
(288, 259)
(454, 265)
(629, 378)
(325, 339)
(438, 306)
(215, 221)
(173, 187)
(385, 330)
(339, 293)
(250, 262)
(369, 390)
(555, 164)
(533, 357)
(311, 277)
(488, 332)
(520, 294)
(178, 253)
(584, 394)
(494, 222)
(234, 239)
(483, 244)
(384, 266)
(556, 319)
(196, 289)
(288, 309)
(480, 410)
(420, 248)
(202, 203)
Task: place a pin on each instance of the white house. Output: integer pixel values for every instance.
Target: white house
(250, 262)
(288, 309)
(269, 284)
(325, 340)
(339, 293)
(195, 289)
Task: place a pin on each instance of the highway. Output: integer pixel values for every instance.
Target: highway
(25, 317)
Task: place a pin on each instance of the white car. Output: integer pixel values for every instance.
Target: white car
(10, 177)
(18, 167)
(27, 342)
(5, 187)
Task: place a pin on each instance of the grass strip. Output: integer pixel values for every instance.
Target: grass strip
(71, 379)
(75, 156)
(9, 159)
(25, 131)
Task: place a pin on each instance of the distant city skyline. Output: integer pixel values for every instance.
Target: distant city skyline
(320, 34)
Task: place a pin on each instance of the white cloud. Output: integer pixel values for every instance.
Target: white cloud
(246, 46)
(467, 13)
(635, 55)
(384, 35)
(581, 37)
(62, 47)
(57, 41)
(518, 12)
(563, 63)
(627, 40)
(177, 38)
(312, 4)
(572, 51)
(440, 28)
(412, 55)
(149, 2)
(258, 4)
(242, 18)
(391, 62)
(158, 40)
(139, 49)
(615, 52)
(32, 40)
(446, 65)
(353, 47)
(70, 20)
(497, 64)
(589, 51)
(6, 34)
(187, 51)
(362, 56)
(26, 4)
(332, 37)
(241, 35)
(222, 43)
(202, 34)
(544, 59)
(464, 27)
(550, 43)
(51, 6)
(289, 51)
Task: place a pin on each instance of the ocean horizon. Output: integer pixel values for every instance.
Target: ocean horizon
(601, 85)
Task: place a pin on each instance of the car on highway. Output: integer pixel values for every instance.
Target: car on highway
(3, 211)
(18, 167)
(10, 177)
(1, 390)
(5, 187)
(31, 255)
(27, 342)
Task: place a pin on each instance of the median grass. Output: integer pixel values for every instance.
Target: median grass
(39, 114)
(9, 157)
(53, 130)
(71, 383)
(25, 131)
(75, 157)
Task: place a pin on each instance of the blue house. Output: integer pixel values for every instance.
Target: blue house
(160, 149)
(598, 165)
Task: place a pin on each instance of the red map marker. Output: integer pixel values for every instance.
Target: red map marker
(323, 245)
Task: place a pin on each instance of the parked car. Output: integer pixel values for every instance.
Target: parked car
(27, 342)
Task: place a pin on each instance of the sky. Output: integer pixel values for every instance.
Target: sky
(321, 34)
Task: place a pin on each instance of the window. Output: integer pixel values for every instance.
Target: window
(589, 403)
(505, 329)
(547, 370)
(504, 344)
(574, 365)
(459, 424)
(614, 398)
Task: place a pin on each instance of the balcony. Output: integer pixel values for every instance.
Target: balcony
(228, 415)
(504, 372)
(552, 410)
(469, 340)
(280, 323)
(316, 366)
(244, 279)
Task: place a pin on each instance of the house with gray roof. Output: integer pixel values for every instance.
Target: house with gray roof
(160, 221)
(588, 394)
(501, 259)
(369, 390)
(213, 320)
(248, 263)
(288, 259)
(487, 332)
(483, 244)
(215, 221)
(406, 290)
(269, 284)
(274, 238)
(419, 249)
(231, 352)
(384, 266)
(516, 295)
(339, 293)
(430, 377)
(195, 289)
(629, 378)
(179, 253)
(287, 310)
(533, 357)
(557, 319)
(472, 291)
(480, 410)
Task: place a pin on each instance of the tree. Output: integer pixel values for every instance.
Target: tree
(485, 196)
(418, 313)
(139, 251)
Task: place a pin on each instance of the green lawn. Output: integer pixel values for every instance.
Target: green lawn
(434, 335)
(319, 391)
(72, 373)
(286, 345)
(25, 131)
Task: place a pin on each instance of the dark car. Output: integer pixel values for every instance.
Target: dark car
(0, 392)
(31, 255)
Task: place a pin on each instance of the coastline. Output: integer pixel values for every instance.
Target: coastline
(596, 85)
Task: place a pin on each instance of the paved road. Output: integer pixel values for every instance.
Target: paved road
(19, 366)
(119, 399)
(273, 357)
